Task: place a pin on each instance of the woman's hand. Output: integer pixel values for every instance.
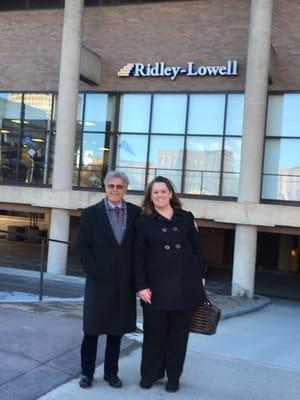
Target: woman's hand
(146, 295)
(203, 282)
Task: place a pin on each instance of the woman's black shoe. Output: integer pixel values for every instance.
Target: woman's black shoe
(144, 384)
(85, 381)
(113, 380)
(172, 386)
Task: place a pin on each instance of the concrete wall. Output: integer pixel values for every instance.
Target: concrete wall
(201, 31)
(269, 215)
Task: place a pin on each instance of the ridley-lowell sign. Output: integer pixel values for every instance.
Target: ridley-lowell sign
(161, 69)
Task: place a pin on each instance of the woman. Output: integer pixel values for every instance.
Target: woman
(168, 274)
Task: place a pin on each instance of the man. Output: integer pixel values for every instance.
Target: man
(104, 245)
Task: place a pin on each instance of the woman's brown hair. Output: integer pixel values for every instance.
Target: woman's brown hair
(147, 204)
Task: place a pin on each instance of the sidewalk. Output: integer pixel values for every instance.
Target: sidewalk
(40, 341)
(252, 357)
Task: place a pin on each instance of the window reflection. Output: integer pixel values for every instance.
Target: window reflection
(131, 159)
(10, 124)
(234, 114)
(93, 159)
(142, 148)
(93, 155)
(99, 113)
(281, 180)
(166, 156)
(231, 166)
(36, 148)
(135, 113)
(206, 114)
(169, 113)
(283, 117)
(203, 165)
(202, 183)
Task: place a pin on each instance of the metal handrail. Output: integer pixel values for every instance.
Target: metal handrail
(44, 240)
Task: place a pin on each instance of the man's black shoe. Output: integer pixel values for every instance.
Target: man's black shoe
(85, 381)
(113, 380)
(145, 384)
(172, 386)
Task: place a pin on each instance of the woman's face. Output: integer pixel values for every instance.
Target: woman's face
(160, 195)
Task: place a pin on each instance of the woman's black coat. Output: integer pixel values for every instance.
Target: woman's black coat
(168, 260)
(110, 299)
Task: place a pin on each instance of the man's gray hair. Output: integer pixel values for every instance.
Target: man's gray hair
(116, 174)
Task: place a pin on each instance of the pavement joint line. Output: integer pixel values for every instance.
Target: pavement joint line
(32, 369)
(22, 355)
(40, 364)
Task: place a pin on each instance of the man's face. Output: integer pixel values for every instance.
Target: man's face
(115, 190)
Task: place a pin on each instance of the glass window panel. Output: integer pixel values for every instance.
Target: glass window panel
(97, 113)
(201, 182)
(132, 158)
(274, 115)
(231, 167)
(94, 160)
(166, 155)
(49, 156)
(206, 114)
(282, 156)
(38, 108)
(234, 114)
(169, 113)
(75, 181)
(93, 149)
(8, 155)
(10, 111)
(281, 169)
(90, 176)
(232, 154)
(230, 184)
(135, 113)
(32, 165)
(277, 187)
(283, 116)
(203, 153)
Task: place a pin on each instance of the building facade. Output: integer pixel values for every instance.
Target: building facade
(206, 93)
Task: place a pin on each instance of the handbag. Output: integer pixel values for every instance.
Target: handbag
(205, 318)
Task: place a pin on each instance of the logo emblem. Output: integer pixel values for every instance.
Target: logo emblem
(126, 70)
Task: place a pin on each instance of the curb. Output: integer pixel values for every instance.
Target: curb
(256, 304)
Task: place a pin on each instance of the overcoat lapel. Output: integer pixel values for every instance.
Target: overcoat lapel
(103, 221)
(128, 223)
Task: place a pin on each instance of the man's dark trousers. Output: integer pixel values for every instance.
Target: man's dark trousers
(89, 354)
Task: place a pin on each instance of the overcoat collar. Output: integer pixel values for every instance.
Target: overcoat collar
(178, 212)
(103, 220)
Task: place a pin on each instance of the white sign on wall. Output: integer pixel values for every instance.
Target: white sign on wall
(161, 69)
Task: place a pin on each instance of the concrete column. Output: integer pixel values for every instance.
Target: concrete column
(58, 252)
(65, 129)
(245, 242)
(252, 143)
